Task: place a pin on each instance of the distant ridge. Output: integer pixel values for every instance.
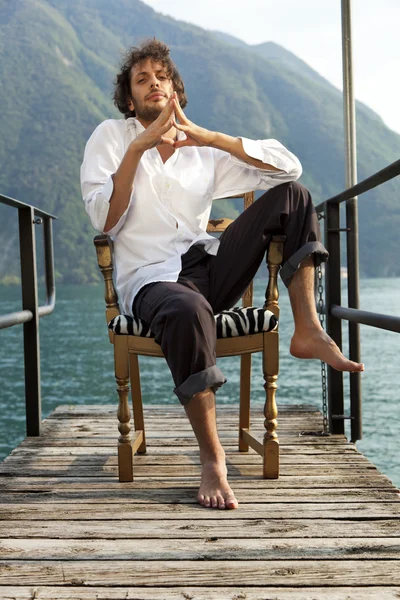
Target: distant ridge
(285, 58)
(58, 61)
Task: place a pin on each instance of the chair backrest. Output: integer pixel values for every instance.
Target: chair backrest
(219, 226)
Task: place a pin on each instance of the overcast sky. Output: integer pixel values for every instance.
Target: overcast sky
(312, 30)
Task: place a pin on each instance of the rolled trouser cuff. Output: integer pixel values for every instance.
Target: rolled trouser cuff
(293, 263)
(212, 377)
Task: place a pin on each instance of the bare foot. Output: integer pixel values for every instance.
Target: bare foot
(215, 491)
(317, 344)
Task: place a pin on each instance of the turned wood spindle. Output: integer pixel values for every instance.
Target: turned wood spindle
(271, 442)
(274, 262)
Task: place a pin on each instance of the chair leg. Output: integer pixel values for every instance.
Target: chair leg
(137, 403)
(125, 450)
(244, 407)
(271, 369)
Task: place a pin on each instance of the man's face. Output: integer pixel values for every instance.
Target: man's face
(150, 88)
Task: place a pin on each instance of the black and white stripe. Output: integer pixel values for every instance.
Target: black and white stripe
(127, 325)
(244, 321)
(229, 323)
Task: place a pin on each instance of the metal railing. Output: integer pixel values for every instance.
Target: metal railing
(335, 313)
(28, 218)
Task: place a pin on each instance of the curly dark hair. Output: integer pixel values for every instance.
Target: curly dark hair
(156, 51)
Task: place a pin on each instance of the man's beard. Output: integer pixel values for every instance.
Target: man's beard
(148, 114)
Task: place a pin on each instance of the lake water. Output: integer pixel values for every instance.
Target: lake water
(78, 369)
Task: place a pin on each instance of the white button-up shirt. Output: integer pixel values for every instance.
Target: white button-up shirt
(170, 204)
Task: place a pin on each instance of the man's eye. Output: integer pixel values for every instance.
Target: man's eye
(140, 80)
(162, 77)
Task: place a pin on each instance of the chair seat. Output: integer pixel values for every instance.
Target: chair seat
(229, 323)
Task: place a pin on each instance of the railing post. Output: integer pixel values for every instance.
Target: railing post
(333, 326)
(26, 217)
(49, 257)
(351, 218)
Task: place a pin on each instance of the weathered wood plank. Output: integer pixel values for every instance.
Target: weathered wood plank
(205, 528)
(210, 573)
(282, 510)
(110, 471)
(110, 441)
(371, 481)
(182, 455)
(176, 411)
(177, 452)
(198, 593)
(181, 421)
(187, 495)
(102, 460)
(67, 438)
(100, 425)
(104, 410)
(205, 549)
(172, 409)
(203, 593)
(158, 417)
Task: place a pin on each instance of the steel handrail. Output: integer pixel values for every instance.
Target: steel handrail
(18, 204)
(335, 313)
(379, 320)
(15, 318)
(24, 316)
(28, 218)
(382, 176)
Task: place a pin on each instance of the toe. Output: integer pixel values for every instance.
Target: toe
(214, 501)
(231, 502)
(354, 367)
(206, 501)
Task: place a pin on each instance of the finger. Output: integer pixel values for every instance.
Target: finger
(181, 115)
(183, 143)
(166, 140)
(165, 113)
(166, 127)
(181, 127)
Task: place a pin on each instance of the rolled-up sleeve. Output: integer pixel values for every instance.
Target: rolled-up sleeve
(102, 157)
(273, 153)
(235, 176)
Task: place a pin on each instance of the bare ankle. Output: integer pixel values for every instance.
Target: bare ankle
(202, 416)
(310, 329)
(212, 456)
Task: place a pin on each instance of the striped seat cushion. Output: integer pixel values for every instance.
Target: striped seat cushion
(229, 323)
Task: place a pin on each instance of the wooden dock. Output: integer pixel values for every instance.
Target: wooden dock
(328, 529)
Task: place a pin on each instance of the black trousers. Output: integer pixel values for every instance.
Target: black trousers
(181, 314)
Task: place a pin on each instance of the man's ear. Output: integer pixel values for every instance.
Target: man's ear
(130, 105)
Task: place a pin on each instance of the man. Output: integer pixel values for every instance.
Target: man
(149, 181)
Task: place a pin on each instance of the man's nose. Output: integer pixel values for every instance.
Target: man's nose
(154, 82)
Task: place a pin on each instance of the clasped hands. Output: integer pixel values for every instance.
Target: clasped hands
(155, 133)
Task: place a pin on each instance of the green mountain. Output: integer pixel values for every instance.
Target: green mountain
(58, 61)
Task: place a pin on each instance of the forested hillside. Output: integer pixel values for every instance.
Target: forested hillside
(58, 61)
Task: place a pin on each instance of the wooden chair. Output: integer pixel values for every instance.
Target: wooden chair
(127, 348)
